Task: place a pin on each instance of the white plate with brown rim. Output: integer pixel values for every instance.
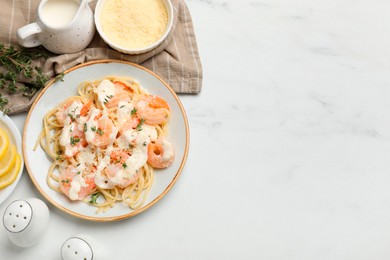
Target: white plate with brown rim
(37, 162)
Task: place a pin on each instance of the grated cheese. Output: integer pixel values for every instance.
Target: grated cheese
(134, 23)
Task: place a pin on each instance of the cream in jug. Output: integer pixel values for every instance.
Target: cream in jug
(59, 13)
(62, 26)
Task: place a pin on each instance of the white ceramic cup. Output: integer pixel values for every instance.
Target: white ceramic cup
(82, 247)
(26, 221)
(62, 26)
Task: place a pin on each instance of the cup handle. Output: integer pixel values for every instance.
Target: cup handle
(27, 35)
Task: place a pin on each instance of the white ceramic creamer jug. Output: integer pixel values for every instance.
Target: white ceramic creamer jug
(62, 26)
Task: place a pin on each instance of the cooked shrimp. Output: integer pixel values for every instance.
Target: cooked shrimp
(86, 107)
(72, 109)
(130, 124)
(153, 109)
(119, 156)
(100, 130)
(117, 175)
(160, 153)
(75, 184)
(72, 139)
(121, 94)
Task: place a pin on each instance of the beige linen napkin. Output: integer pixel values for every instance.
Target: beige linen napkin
(176, 60)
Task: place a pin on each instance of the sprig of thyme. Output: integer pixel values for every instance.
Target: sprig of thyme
(15, 64)
(3, 104)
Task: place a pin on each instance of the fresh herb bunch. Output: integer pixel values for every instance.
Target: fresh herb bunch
(16, 63)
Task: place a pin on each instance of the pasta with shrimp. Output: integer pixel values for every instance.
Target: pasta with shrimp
(105, 143)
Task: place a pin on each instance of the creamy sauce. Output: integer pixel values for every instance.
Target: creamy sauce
(75, 186)
(65, 139)
(105, 91)
(137, 159)
(58, 13)
(126, 139)
(168, 151)
(103, 181)
(124, 110)
(91, 124)
(85, 158)
(148, 133)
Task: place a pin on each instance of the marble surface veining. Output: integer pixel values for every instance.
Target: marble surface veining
(290, 142)
(296, 111)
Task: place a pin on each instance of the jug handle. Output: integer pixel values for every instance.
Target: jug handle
(27, 35)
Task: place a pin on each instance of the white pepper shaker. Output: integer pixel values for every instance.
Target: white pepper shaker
(82, 247)
(26, 221)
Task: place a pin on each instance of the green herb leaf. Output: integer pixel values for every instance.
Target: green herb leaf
(71, 116)
(139, 126)
(124, 165)
(74, 140)
(133, 111)
(94, 198)
(100, 132)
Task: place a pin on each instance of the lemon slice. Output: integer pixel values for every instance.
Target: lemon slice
(11, 175)
(4, 143)
(8, 160)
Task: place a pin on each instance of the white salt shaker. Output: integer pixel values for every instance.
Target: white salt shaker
(26, 221)
(82, 247)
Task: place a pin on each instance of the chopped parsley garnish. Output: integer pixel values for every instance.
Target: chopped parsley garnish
(107, 98)
(100, 131)
(122, 106)
(85, 127)
(133, 111)
(94, 198)
(144, 144)
(93, 128)
(71, 116)
(74, 140)
(139, 126)
(124, 165)
(65, 181)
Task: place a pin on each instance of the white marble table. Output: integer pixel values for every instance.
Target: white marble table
(290, 142)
